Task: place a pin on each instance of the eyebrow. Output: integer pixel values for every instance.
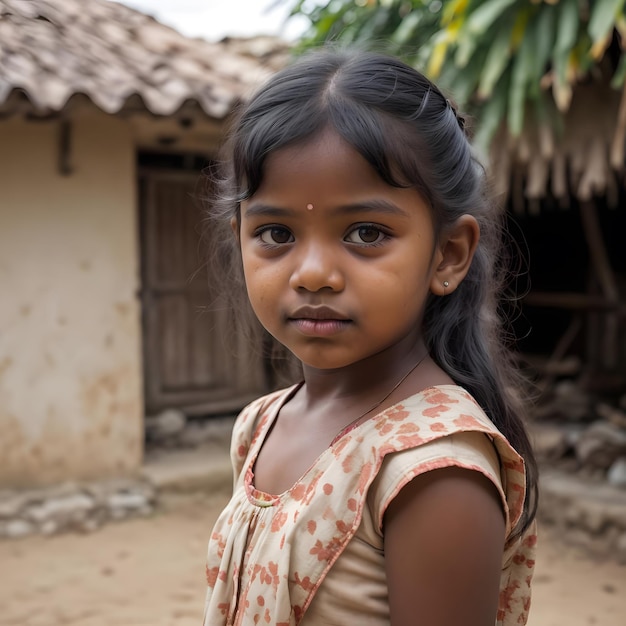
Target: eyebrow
(375, 205)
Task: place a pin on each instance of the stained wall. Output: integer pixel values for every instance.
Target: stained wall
(70, 368)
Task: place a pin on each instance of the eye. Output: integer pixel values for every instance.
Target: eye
(274, 235)
(365, 234)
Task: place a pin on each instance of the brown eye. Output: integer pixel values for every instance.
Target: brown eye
(368, 234)
(365, 235)
(276, 235)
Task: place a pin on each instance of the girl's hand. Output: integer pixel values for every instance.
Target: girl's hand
(444, 539)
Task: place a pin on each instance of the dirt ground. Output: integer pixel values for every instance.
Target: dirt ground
(150, 572)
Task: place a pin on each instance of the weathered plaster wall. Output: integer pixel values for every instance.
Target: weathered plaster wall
(70, 369)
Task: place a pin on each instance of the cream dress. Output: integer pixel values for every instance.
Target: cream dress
(313, 555)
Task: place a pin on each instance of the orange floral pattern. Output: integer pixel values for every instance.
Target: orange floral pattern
(269, 554)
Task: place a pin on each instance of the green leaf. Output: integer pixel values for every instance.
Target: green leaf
(522, 70)
(471, 35)
(491, 115)
(567, 26)
(451, 10)
(465, 50)
(375, 26)
(463, 82)
(603, 15)
(566, 37)
(324, 26)
(407, 27)
(497, 59)
(544, 35)
(486, 14)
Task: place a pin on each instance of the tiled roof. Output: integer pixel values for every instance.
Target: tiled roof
(51, 50)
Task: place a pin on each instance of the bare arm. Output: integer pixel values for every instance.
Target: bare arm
(444, 537)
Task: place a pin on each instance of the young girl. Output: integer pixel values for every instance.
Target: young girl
(394, 484)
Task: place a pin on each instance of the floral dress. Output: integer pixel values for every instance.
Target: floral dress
(314, 554)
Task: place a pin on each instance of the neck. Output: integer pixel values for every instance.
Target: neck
(367, 379)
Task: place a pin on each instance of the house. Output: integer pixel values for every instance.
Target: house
(566, 194)
(107, 118)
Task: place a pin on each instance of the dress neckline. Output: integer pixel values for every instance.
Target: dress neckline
(261, 498)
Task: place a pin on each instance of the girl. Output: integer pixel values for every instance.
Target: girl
(394, 484)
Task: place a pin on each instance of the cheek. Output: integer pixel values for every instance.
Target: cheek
(262, 281)
(258, 300)
(399, 292)
(251, 266)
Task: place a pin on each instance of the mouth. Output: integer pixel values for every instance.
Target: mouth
(318, 313)
(320, 321)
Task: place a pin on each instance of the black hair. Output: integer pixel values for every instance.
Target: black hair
(404, 126)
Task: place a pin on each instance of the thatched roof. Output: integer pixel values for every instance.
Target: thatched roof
(119, 58)
(582, 159)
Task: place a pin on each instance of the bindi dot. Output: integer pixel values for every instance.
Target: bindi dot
(309, 207)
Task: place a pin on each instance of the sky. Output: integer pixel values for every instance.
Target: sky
(214, 19)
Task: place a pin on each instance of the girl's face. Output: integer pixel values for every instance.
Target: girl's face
(338, 264)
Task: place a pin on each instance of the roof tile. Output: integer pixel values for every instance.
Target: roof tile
(53, 49)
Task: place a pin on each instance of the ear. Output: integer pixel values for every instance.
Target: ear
(454, 255)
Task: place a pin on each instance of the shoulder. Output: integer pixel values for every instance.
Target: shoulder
(427, 421)
(429, 415)
(444, 427)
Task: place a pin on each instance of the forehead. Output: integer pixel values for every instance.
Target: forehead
(325, 163)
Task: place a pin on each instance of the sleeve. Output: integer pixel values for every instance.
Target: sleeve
(471, 450)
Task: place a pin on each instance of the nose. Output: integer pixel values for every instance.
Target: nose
(316, 269)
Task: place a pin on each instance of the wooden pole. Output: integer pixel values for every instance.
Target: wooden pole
(604, 273)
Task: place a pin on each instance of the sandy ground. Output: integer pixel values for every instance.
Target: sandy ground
(150, 572)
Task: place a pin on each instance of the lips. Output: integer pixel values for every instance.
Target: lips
(322, 312)
(319, 321)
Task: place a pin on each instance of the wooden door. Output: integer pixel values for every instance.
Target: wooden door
(186, 361)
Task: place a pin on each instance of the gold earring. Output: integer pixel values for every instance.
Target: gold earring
(446, 284)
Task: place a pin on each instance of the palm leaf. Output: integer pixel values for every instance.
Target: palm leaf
(487, 13)
(500, 58)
